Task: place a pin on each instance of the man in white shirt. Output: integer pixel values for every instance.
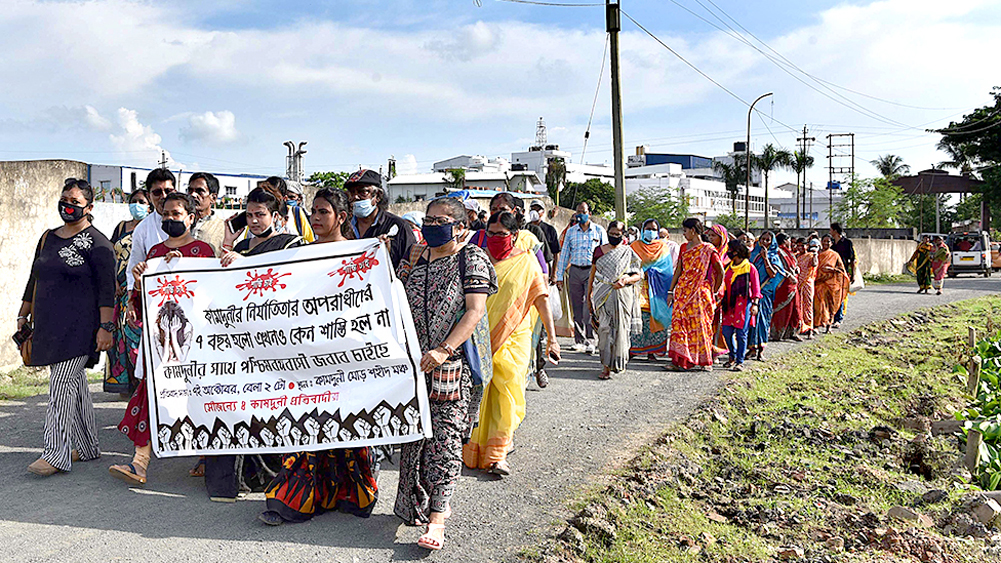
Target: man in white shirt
(159, 183)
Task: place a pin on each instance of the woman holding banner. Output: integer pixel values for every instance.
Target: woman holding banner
(178, 214)
(309, 483)
(447, 285)
(521, 285)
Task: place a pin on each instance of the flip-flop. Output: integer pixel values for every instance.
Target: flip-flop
(131, 476)
(427, 541)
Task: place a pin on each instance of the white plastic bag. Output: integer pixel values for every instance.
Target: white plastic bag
(555, 305)
(858, 284)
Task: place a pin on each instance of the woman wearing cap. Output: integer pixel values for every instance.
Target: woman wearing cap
(69, 301)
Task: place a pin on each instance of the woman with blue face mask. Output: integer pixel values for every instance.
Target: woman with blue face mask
(657, 258)
(119, 372)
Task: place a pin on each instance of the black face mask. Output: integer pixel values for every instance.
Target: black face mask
(70, 213)
(614, 240)
(173, 227)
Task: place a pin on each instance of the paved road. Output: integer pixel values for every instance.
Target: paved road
(576, 428)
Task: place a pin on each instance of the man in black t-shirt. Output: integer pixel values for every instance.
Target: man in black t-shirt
(846, 250)
(371, 216)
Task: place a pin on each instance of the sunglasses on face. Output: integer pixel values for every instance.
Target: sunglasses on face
(161, 192)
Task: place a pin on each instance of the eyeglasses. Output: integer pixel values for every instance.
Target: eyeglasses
(442, 220)
(162, 191)
(493, 234)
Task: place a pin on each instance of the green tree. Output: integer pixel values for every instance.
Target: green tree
(891, 166)
(455, 178)
(771, 158)
(731, 221)
(800, 162)
(733, 174)
(556, 176)
(600, 196)
(332, 180)
(918, 212)
(869, 204)
(662, 205)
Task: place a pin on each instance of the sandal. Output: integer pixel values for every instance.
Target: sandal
(728, 364)
(271, 518)
(128, 473)
(427, 541)
(199, 469)
(500, 468)
(605, 374)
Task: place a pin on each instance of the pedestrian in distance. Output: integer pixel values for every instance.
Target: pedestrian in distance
(941, 259)
(613, 299)
(831, 287)
(786, 321)
(765, 258)
(68, 305)
(920, 263)
(574, 269)
(846, 250)
(807, 260)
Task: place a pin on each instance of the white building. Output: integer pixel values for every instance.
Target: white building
(814, 206)
(497, 174)
(111, 182)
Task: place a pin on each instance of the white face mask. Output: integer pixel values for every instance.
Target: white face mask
(533, 216)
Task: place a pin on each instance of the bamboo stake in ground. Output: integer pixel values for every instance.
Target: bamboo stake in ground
(973, 380)
(973, 439)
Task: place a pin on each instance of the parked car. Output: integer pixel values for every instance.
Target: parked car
(971, 253)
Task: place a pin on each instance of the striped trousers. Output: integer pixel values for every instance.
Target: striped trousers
(69, 420)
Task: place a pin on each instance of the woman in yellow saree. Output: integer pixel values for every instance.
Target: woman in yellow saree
(521, 286)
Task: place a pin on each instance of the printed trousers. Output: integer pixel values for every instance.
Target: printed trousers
(69, 419)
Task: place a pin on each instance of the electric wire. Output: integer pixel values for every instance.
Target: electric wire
(594, 104)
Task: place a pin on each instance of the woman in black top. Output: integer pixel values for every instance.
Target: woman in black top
(227, 475)
(70, 300)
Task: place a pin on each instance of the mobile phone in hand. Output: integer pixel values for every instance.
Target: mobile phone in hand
(237, 223)
(22, 335)
(553, 359)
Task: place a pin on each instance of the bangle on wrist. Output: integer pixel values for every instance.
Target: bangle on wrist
(448, 349)
(25, 317)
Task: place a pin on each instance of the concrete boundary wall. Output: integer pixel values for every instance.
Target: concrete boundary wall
(29, 195)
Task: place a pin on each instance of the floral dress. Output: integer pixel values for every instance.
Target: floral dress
(436, 291)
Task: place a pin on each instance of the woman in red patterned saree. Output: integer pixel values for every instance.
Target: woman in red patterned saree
(786, 323)
(697, 278)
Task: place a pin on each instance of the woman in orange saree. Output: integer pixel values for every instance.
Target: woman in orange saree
(831, 286)
(807, 280)
(697, 278)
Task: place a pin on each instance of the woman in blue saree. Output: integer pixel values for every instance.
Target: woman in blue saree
(766, 259)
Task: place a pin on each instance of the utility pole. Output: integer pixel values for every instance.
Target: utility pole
(832, 169)
(805, 152)
(613, 23)
(163, 159)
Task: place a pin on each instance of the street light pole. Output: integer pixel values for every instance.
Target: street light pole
(747, 185)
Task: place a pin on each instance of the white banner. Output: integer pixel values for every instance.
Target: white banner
(304, 349)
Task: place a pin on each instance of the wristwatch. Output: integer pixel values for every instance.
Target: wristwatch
(109, 326)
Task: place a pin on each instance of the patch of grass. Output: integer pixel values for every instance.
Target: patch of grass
(884, 278)
(792, 454)
(26, 382)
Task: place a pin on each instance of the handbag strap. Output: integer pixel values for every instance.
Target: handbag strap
(34, 290)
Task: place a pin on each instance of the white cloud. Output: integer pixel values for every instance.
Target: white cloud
(407, 165)
(136, 139)
(214, 128)
(468, 43)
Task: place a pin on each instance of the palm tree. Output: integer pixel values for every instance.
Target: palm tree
(891, 166)
(801, 162)
(958, 158)
(733, 174)
(771, 158)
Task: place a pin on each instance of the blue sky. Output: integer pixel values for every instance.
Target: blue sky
(220, 85)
